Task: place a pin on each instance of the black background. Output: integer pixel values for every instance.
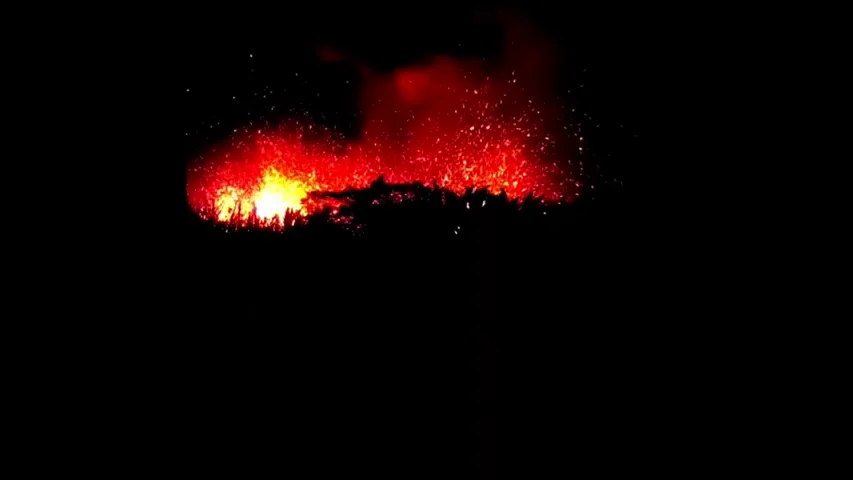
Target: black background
(413, 355)
(603, 347)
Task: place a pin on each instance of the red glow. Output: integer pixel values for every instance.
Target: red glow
(424, 124)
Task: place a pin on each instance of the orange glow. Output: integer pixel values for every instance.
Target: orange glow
(274, 196)
(277, 195)
(429, 125)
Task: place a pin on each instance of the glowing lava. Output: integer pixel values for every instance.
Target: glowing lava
(436, 126)
(278, 195)
(274, 196)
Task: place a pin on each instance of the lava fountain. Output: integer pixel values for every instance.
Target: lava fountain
(431, 124)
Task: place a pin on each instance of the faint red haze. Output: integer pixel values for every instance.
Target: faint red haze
(443, 120)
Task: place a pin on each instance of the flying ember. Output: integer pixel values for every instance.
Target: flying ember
(427, 124)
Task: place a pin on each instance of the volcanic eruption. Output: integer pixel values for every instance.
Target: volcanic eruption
(446, 123)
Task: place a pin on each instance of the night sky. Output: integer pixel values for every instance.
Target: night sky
(275, 70)
(417, 352)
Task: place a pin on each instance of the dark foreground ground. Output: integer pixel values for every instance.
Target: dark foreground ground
(519, 344)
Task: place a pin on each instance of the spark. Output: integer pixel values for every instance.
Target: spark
(465, 136)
